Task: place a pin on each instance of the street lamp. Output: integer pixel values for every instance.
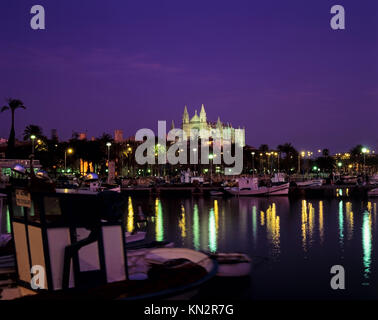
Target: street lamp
(364, 151)
(278, 160)
(33, 137)
(69, 151)
(211, 156)
(108, 144)
(253, 163)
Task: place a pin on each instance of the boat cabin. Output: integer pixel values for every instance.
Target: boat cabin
(77, 240)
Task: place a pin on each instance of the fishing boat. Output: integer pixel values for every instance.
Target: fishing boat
(232, 264)
(250, 187)
(373, 193)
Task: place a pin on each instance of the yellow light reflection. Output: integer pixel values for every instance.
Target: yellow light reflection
(262, 218)
(182, 222)
(321, 222)
(216, 214)
(311, 221)
(349, 220)
(272, 226)
(130, 216)
(304, 225)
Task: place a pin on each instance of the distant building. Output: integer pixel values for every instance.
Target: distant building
(82, 136)
(54, 134)
(200, 122)
(118, 135)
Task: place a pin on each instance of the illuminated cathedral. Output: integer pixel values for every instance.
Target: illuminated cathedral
(199, 122)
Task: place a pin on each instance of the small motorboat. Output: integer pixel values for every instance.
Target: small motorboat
(232, 264)
(373, 193)
(162, 255)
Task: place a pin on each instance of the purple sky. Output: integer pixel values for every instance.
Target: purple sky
(275, 67)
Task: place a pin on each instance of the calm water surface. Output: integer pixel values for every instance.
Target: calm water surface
(293, 243)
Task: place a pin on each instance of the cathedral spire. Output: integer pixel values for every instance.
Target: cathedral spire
(202, 114)
(185, 116)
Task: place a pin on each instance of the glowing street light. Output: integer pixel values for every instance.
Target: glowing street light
(253, 163)
(33, 137)
(69, 151)
(365, 151)
(211, 157)
(108, 144)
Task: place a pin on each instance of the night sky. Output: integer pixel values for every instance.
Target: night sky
(275, 67)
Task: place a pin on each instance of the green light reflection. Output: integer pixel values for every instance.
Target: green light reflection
(366, 245)
(159, 229)
(341, 223)
(212, 232)
(196, 233)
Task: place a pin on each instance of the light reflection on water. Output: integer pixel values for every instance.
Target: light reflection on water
(322, 232)
(332, 230)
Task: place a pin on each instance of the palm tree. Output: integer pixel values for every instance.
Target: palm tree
(264, 148)
(291, 155)
(13, 105)
(325, 152)
(33, 129)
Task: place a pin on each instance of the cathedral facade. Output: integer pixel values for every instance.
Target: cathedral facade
(199, 122)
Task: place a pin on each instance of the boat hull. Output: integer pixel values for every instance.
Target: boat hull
(373, 193)
(280, 190)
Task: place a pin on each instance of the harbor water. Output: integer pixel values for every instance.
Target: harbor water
(293, 243)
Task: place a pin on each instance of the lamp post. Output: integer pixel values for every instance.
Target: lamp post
(364, 151)
(253, 163)
(278, 161)
(108, 144)
(211, 156)
(33, 137)
(195, 159)
(69, 151)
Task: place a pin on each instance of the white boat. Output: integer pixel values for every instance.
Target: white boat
(232, 264)
(373, 192)
(162, 255)
(249, 187)
(310, 183)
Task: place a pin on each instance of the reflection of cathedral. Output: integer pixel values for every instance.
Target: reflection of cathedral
(200, 123)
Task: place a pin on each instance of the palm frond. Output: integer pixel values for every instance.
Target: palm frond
(4, 108)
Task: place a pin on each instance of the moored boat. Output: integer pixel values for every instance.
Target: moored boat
(232, 264)
(310, 183)
(249, 187)
(373, 193)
